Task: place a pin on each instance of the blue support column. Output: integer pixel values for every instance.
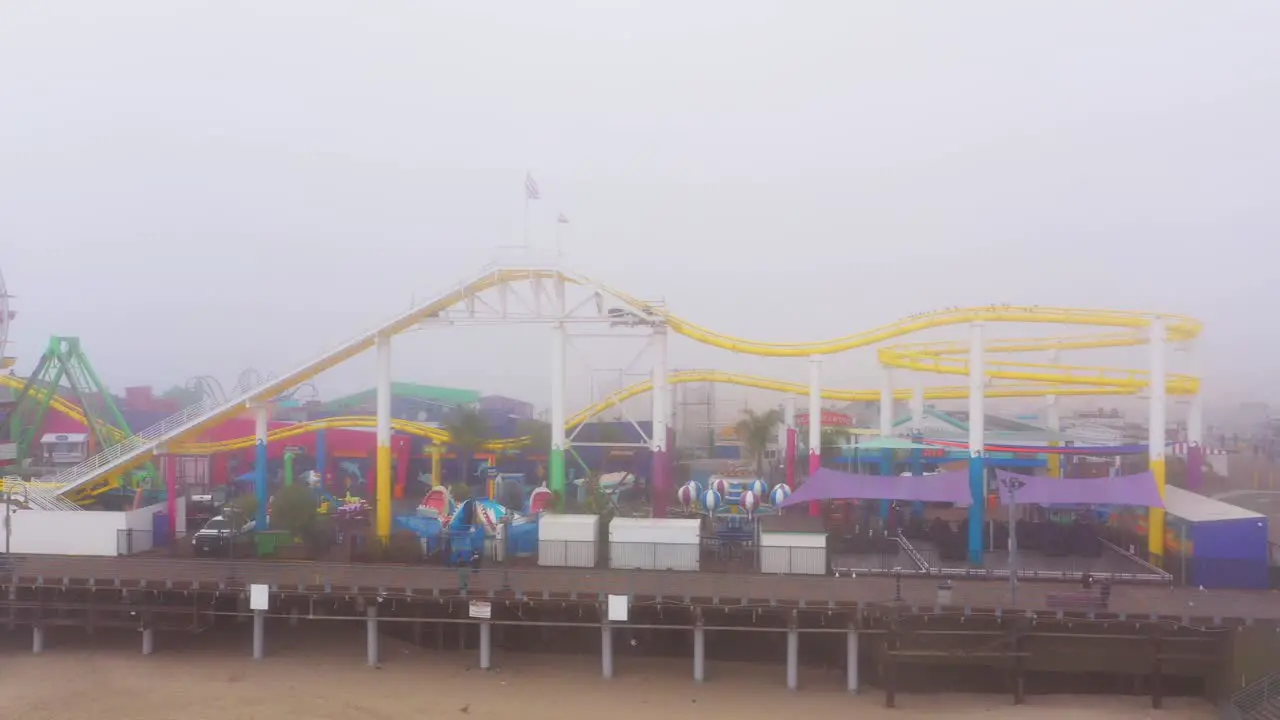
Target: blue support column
(260, 483)
(977, 510)
(322, 454)
(917, 469)
(886, 469)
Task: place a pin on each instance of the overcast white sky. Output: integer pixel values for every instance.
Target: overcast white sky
(198, 187)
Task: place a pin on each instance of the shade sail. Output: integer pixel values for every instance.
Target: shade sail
(827, 484)
(1103, 450)
(1139, 490)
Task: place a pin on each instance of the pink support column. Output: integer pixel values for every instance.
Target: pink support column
(790, 443)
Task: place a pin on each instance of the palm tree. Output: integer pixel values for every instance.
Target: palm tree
(755, 431)
(468, 430)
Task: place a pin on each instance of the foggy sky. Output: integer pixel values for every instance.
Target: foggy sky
(199, 187)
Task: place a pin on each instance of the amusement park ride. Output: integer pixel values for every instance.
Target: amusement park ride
(572, 304)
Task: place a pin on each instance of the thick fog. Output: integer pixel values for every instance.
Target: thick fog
(200, 187)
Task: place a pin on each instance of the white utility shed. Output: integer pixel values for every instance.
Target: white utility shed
(655, 543)
(793, 544)
(568, 540)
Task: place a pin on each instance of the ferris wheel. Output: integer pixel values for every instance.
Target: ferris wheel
(6, 315)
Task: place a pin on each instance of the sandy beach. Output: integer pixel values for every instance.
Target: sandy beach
(319, 673)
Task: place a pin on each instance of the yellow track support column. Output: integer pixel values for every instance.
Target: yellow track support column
(1053, 420)
(437, 452)
(383, 425)
(1156, 439)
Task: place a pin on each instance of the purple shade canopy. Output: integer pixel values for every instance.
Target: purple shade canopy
(827, 484)
(1139, 490)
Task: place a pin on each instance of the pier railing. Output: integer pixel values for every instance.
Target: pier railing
(284, 575)
(1260, 700)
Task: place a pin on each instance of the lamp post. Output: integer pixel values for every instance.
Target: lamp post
(1013, 484)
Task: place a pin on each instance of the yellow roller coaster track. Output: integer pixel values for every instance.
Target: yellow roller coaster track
(696, 376)
(70, 409)
(927, 357)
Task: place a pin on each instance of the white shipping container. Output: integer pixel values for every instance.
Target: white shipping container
(655, 543)
(793, 560)
(792, 545)
(568, 540)
(569, 527)
(648, 556)
(671, 531)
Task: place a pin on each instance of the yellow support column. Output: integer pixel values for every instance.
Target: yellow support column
(1156, 438)
(437, 453)
(383, 424)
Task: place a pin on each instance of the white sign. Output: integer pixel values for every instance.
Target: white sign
(480, 609)
(259, 597)
(619, 606)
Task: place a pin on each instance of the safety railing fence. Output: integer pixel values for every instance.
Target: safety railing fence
(157, 544)
(142, 441)
(530, 581)
(1259, 700)
(1031, 565)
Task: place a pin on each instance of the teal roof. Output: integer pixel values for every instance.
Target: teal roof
(891, 443)
(935, 414)
(425, 393)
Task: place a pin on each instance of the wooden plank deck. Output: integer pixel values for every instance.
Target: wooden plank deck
(1139, 601)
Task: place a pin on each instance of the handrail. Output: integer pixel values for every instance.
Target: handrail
(1257, 695)
(72, 477)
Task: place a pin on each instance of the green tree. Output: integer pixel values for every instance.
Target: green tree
(755, 431)
(293, 510)
(242, 508)
(538, 432)
(468, 430)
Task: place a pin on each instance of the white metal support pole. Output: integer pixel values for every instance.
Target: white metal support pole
(977, 436)
(261, 417)
(699, 653)
(148, 639)
(486, 645)
(917, 401)
(1053, 421)
(815, 424)
(1195, 413)
(556, 470)
(371, 634)
(660, 494)
(793, 658)
(789, 440)
(382, 401)
(851, 658)
(1195, 426)
(1156, 436)
(556, 459)
(886, 401)
(259, 634)
(606, 650)
(886, 430)
(37, 639)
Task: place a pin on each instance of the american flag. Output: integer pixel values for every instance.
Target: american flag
(531, 190)
(562, 219)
